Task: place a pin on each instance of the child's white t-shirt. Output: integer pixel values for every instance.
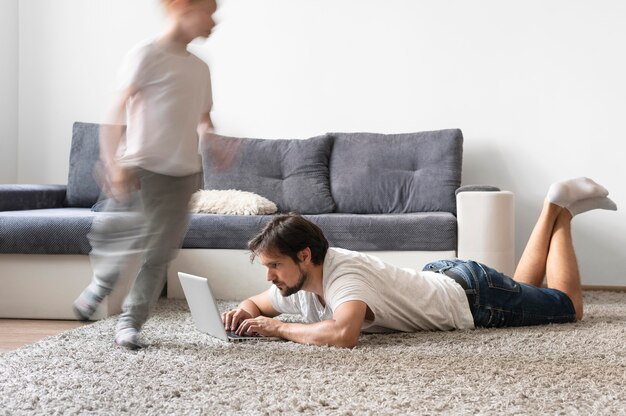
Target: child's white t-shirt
(174, 90)
(401, 299)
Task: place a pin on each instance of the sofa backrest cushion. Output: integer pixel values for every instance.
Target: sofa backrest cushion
(396, 173)
(291, 173)
(82, 189)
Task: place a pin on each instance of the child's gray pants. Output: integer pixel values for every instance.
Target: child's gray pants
(152, 224)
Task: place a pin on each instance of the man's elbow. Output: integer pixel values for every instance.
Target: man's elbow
(347, 344)
(347, 340)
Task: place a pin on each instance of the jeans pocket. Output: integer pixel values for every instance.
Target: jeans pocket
(497, 280)
(439, 265)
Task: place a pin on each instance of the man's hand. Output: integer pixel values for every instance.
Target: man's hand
(261, 325)
(248, 309)
(342, 330)
(234, 317)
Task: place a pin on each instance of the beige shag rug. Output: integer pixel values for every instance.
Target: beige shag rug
(561, 369)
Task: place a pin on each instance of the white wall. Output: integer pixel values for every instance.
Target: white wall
(69, 54)
(8, 90)
(537, 87)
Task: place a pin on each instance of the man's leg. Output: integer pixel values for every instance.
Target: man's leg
(578, 195)
(550, 250)
(562, 268)
(531, 268)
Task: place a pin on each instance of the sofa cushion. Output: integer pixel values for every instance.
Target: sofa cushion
(230, 202)
(46, 231)
(64, 231)
(396, 173)
(434, 231)
(428, 231)
(291, 173)
(31, 196)
(223, 231)
(82, 189)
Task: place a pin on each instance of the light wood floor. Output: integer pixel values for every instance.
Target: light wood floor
(15, 333)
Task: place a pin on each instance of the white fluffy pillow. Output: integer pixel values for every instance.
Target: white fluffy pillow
(230, 202)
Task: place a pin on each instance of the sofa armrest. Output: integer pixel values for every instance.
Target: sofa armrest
(22, 197)
(486, 228)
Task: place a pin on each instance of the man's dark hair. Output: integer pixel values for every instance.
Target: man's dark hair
(288, 234)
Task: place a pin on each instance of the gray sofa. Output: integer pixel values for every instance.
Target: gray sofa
(392, 195)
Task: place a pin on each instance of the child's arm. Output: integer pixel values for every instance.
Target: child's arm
(206, 125)
(116, 181)
(221, 156)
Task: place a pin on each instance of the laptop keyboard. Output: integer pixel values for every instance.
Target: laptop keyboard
(233, 334)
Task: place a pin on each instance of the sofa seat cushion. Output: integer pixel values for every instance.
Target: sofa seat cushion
(46, 231)
(430, 231)
(64, 231)
(396, 173)
(223, 231)
(31, 196)
(291, 173)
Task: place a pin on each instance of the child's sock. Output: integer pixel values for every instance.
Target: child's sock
(87, 303)
(584, 205)
(567, 192)
(128, 338)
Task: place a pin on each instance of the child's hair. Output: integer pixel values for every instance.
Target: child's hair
(288, 234)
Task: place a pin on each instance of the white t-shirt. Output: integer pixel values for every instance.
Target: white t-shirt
(162, 118)
(401, 299)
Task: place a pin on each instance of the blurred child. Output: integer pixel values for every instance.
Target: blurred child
(150, 164)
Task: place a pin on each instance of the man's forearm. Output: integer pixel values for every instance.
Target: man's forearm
(250, 307)
(342, 330)
(319, 333)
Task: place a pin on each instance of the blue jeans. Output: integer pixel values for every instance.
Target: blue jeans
(500, 301)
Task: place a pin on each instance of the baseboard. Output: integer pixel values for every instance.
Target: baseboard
(606, 288)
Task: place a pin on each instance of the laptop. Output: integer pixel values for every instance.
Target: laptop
(205, 313)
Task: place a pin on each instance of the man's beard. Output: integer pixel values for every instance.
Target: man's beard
(288, 291)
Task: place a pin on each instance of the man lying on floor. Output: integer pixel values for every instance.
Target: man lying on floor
(341, 293)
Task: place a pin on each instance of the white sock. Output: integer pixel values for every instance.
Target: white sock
(567, 192)
(128, 338)
(584, 205)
